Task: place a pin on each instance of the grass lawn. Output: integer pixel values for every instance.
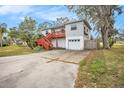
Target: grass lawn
(102, 68)
(14, 50)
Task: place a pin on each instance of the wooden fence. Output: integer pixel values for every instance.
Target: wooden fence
(91, 44)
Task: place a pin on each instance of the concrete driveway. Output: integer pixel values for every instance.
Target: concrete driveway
(55, 68)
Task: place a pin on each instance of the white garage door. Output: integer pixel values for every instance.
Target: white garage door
(74, 44)
(61, 43)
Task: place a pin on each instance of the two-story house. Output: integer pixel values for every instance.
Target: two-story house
(76, 33)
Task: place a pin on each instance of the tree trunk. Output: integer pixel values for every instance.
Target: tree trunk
(29, 45)
(105, 38)
(1, 43)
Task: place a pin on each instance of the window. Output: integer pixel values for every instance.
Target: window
(78, 40)
(73, 27)
(74, 40)
(46, 32)
(84, 29)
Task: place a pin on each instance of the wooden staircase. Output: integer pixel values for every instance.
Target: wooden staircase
(46, 40)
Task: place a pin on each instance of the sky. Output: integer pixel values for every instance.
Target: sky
(119, 20)
(13, 14)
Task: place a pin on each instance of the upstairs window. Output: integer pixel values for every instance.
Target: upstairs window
(73, 27)
(85, 31)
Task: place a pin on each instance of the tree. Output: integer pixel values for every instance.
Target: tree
(101, 17)
(27, 29)
(14, 34)
(58, 22)
(3, 29)
(44, 25)
(61, 21)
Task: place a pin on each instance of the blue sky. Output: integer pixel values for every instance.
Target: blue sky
(119, 21)
(13, 15)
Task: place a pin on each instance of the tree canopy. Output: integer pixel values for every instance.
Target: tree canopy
(27, 29)
(3, 29)
(101, 17)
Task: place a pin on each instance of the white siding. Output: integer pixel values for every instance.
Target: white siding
(54, 43)
(44, 31)
(59, 43)
(74, 33)
(74, 38)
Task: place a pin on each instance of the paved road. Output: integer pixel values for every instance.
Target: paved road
(55, 68)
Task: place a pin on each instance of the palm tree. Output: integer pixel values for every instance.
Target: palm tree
(3, 27)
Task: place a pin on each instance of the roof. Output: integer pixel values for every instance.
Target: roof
(88, 25)
(85, 22)
(55, 27)
(63, 25)
(73, 22)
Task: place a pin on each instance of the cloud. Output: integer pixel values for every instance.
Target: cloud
(21, 18)
(53, 13)
(13, 14)
(43, 12)
(4, 10)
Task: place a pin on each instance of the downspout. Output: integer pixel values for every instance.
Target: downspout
(56, 39)
(56, 42)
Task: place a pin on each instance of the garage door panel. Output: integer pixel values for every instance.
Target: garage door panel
(74, 44)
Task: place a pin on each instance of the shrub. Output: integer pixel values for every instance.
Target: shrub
(5, 45)
(38, 48)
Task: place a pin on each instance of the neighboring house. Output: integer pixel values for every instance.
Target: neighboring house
(120, 35)
(75, 35)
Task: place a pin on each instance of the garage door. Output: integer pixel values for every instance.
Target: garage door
(61, 43)
(74, 44)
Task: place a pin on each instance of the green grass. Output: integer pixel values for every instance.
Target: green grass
(102, 68)
(14, 50)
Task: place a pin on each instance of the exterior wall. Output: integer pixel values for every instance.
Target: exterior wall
(54, 43)
(59, 43)
(59, 29)
(44, 31)
(74, 33)
(89, 35)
